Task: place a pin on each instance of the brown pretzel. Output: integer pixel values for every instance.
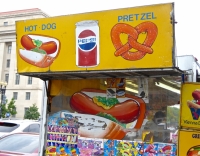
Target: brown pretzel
(142, 49)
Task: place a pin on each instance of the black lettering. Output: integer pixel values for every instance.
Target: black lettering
(191, 122)
(196, 136)
(193, 135)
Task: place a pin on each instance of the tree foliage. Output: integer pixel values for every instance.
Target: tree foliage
(32, 113)
(173, 114)
(8, 108)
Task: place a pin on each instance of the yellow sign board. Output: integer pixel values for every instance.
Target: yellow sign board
(190, 105)
(191, 146)
(128, 38)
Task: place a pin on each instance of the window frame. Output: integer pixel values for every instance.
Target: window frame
(8, 63)
(15, 95)
(9, 49)
(26, 109)
(17, 79)
(28, 96)
(7, 77)
(5, 23)
(30, 80)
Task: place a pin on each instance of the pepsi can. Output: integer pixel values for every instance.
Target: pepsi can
(87, 43)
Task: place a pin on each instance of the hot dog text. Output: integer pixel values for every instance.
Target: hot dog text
(46, 26)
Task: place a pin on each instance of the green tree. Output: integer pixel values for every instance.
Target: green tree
(3, 110)
(32, 113)
(11, 107)
(8, 108)
(173, 115)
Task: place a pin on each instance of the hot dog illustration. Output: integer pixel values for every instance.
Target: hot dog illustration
(92, 126)
(194, 151)
(38, 50)
(127, 110)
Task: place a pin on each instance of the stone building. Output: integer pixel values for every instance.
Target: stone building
(25, 90)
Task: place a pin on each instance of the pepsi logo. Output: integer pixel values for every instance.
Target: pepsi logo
(87, 40)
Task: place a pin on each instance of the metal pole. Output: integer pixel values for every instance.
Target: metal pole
(2, 91)
(43, 121)
(1, 101)
(1, 95)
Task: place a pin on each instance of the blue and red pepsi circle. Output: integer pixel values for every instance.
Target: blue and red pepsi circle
(87, 40)
(87, 48)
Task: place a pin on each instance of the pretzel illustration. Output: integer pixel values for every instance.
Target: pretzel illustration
(133, 33)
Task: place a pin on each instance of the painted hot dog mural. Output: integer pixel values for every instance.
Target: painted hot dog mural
(93, 102)
(39, 50)
(99, 115)
(85, 102)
